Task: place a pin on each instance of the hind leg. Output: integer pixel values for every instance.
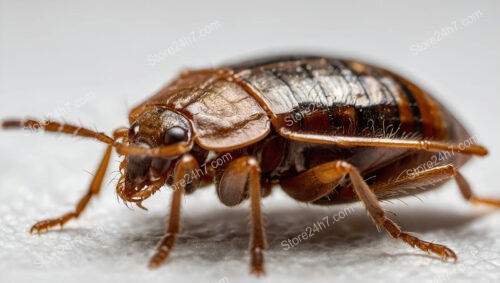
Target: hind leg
(432, 176)
(377, 213)
(469, 195)
(336, 170)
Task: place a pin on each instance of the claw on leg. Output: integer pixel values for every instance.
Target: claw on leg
(257, 262)
(44, 225)
(444, 252)
(163, 251)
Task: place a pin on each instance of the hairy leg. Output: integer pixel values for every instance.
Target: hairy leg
(336, 170)
(384, 142)
(184, 166)
(94, 189)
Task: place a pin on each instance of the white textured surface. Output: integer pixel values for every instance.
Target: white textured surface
(55, 54)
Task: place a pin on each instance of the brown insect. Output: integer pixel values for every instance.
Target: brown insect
(326, 130)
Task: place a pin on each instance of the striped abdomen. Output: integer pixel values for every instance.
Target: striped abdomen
(342, 97)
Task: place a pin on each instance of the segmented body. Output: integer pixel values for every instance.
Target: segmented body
(326, 130)
(241, 107)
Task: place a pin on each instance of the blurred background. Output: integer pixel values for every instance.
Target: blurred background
(89, 62)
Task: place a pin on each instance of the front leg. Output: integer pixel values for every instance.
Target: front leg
(185, 165)
(95, 186)
(240, 180)
(94, 189)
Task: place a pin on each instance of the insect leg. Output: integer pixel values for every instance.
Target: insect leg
(384, 142)
(94, 189)
(258, 240)
(433, 176)
(369, 199)
(312, 184)
(425, 178)
(185, 165)
(469, 195)
(241, 174)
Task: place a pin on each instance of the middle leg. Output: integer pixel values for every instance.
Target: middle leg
(240, 179)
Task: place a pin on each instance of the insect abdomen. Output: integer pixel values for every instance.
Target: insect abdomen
(341, 97)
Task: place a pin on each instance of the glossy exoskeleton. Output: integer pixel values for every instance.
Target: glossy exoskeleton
(325, 130)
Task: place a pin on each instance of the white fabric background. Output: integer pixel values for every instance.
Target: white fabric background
(52, 54)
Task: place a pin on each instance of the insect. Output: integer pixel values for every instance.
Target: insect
(326, 130)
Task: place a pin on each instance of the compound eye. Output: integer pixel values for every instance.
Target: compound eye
(175, 135)
(132, 132)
